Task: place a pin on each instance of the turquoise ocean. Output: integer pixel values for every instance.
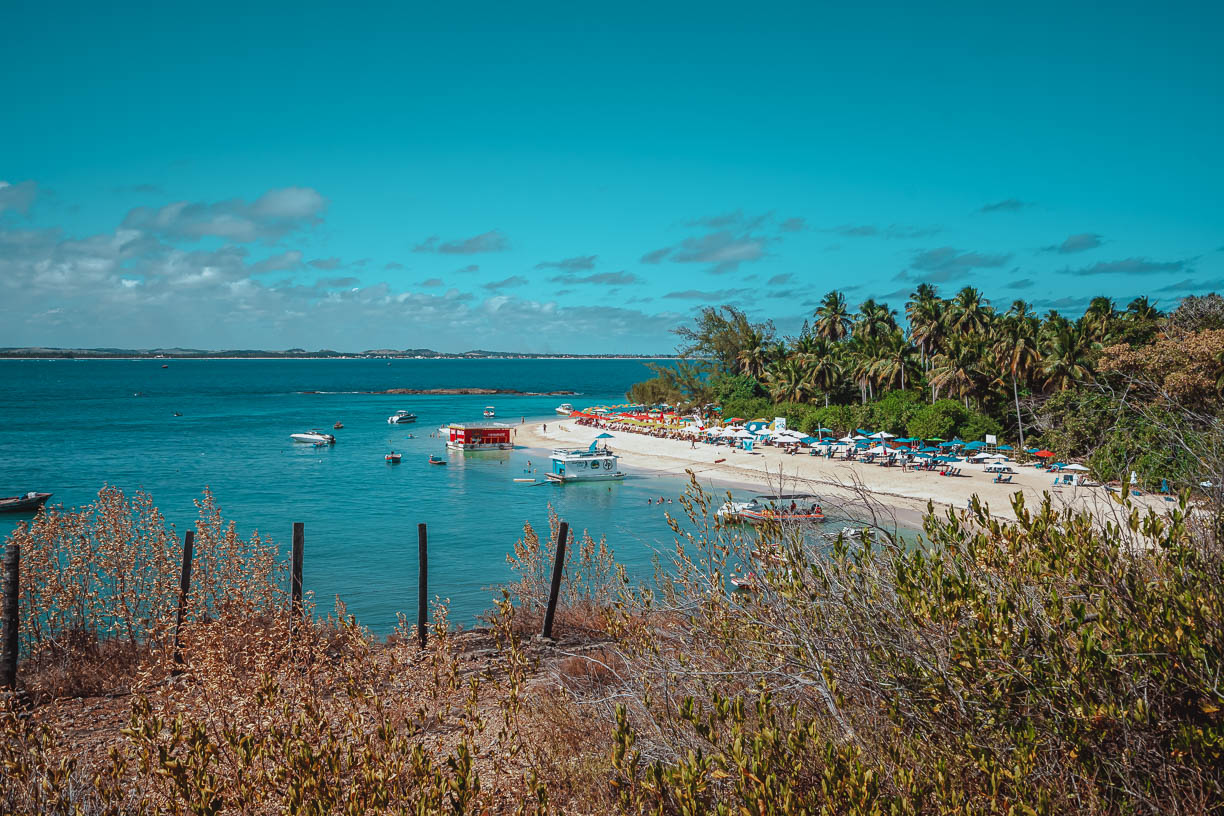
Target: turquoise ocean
(71, 426)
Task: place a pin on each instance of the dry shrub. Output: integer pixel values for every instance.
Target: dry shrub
(100, 586)
(592, 580)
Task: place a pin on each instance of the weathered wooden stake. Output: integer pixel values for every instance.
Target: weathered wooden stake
(184, 590)
(8, 616)
(558, 569)
(295, 569)
(422, 585)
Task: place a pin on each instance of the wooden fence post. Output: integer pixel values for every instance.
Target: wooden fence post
(558, 569)
(422, 585)
(8, 617)
(295, 568)
(184, 590)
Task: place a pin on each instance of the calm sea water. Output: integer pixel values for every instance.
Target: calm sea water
(71, 426)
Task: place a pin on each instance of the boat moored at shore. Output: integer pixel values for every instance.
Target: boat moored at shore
(593, 464)
(478, 436)
(781, 507)
(314, 437)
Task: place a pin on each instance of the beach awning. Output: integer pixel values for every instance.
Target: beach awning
(1044, 454)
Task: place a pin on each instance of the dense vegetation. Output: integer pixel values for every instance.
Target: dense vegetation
(1046, 666)
(1086, 388)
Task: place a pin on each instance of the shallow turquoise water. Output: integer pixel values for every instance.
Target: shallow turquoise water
(71, 426)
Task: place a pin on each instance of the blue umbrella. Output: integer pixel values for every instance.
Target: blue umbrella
(929, 449)
(1005, 447)
(975, 445)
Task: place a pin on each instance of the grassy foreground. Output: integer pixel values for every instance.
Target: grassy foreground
(1042, 666)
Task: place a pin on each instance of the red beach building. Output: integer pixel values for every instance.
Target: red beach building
(479, 436)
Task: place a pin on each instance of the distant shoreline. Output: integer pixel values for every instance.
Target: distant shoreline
(85, 354)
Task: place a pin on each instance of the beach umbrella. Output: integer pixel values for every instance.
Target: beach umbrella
(975, 445)
(1044, 454)
(742, 434)
(935, 439)
(883, 435)
(1004, 447)
(734, 419)
(1077, 466)
(846, 439)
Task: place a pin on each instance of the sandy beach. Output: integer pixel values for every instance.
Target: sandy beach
(896, 496)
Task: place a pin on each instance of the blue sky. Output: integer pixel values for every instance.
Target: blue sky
(567, 177)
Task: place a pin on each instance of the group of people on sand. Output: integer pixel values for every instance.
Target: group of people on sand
(657, 433)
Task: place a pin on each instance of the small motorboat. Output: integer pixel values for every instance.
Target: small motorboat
(314, 437)
(400, 417)
(434, 460)
(338, 426)
(744, 581)
(392, 458)
(489, 412)
(785, 507)
(565, 409)
(23, 504)
(165, 366)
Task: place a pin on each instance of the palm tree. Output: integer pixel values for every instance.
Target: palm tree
(824, 370)
(894, 359)
(969, 312)
(754, 358)
(1098, 319)
(874, 320)
(1064, 359)
(925, 314)
(1141, 310)
(1015, 350)
(787, 381)
(861, 360)
(958, 368)
(832, 318)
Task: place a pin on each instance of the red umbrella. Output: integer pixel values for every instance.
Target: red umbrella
(1044, 454)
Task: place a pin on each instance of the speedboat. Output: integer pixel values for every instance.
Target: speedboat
(434, 460)
(392, 458)
(565, 409)
(400, 417)
(23, 504)
(488, 411)
(314, 437)
(782, 507)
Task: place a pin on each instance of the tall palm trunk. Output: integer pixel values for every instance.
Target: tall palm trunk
(1019, 421)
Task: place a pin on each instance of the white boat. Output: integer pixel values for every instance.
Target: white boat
(400, 417)
(314, 437)
(800, 507)
(565, 409)
(488, 411)
(591, 464)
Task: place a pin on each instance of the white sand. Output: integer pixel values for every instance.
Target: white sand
(903, 494)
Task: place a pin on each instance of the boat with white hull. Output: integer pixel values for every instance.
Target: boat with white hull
(401, 418)
(591, 464)
(565, 409)
(313, 437)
